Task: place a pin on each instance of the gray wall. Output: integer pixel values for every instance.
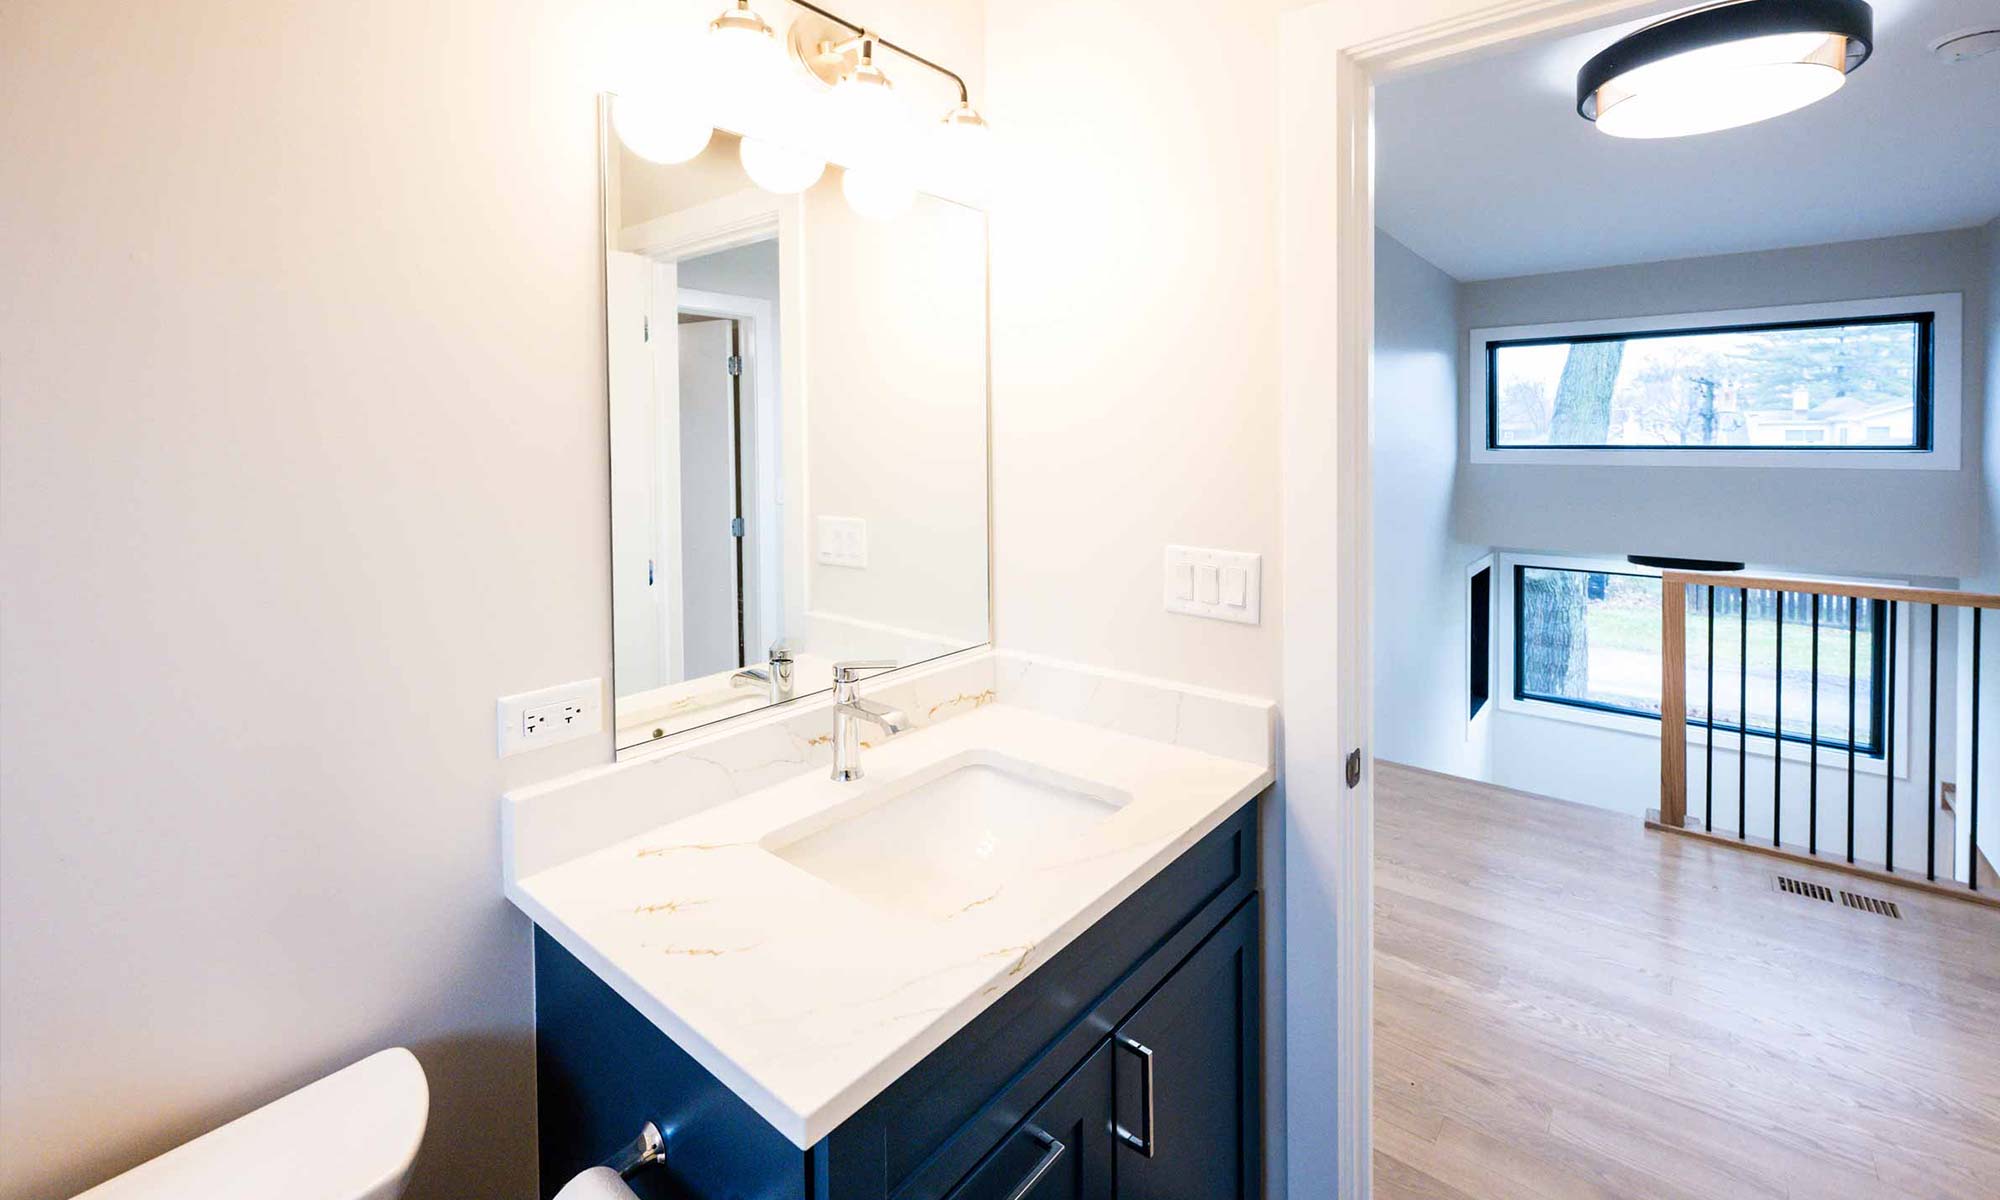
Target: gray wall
(1863, 521)
(1420, 613)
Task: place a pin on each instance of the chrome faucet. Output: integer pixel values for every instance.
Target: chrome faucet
(849, 707)
(776, 675)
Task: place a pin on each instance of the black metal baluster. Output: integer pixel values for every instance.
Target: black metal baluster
(1972, 861)
(1708, 783)
(1743, 715)
(1889, 755)
(1853, 636)
(1778, 726)
(1812, 742)
(1930, 786)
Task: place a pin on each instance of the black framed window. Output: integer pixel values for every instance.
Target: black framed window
(1479, 638)
(1591, 640)
(1849, 383)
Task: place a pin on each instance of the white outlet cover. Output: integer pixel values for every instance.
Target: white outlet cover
(551, 715)
(1227, 584)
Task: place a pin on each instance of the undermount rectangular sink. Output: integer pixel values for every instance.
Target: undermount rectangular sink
(946, 839)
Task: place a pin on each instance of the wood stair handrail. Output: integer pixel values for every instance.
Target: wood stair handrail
(1806, 585)
(1672, 815)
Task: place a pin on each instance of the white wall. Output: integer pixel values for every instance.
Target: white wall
(1420, 568)
(1874, 521)
(304, 303)
(895, 351)
(1987, 580)
(1135, 326)
(1135, 339)
(1989, 562)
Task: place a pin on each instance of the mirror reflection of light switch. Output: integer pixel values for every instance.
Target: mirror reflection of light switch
(1222, 584)
(843, 541)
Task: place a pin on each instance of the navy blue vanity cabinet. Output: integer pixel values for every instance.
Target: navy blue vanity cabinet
(1062, 1151)
(1043, 1096)
(1186, 1077)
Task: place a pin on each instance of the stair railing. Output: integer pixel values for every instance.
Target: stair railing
(1843, 612)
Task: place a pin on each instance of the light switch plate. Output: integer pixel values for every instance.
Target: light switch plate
(531, 720)
(1226, 584)
(843, 541)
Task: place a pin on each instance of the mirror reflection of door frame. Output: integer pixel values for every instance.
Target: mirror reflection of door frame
(758, 337)
(725, 223)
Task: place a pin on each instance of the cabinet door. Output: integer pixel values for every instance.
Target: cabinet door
(1187, 1078)
(1062, 1151)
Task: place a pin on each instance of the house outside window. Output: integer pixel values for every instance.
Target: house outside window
(1589, 639)
(1864, 383)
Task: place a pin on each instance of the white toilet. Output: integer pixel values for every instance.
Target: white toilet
(351, 1136)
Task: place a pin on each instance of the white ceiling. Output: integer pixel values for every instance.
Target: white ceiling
(1484, 168)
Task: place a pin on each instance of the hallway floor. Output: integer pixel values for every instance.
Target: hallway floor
(1570, 1006)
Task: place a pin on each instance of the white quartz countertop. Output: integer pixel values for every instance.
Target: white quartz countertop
(807, 1000)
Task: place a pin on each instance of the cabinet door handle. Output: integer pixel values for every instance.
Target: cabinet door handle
(1052, 1150)
(1143, 1144)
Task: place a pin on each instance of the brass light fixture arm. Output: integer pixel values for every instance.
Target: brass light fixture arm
(964, 94)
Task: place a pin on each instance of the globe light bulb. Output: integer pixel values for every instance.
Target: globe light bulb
(745, 66)
(779, 168)
(661, 128)
(868, 124)
(878, 192)
(959, 149)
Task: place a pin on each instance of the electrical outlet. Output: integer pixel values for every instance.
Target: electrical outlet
(843, 541)
(531, 720)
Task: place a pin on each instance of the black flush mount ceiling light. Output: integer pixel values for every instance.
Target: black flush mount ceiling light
(1725, 65)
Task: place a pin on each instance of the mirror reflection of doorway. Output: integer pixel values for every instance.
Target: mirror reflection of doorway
(712, 473)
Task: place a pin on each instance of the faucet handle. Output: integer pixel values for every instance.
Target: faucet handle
(852, 670)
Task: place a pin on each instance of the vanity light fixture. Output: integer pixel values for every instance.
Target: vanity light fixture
(1724, 65)
(777, 167)
(743, 46)
(659, 130)
(862, 124)
(878, 192)
(865, 116)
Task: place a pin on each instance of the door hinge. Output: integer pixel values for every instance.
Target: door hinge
(736, 527)
(645, 329)
(649, 572)
(1354, 768)
(735, 364)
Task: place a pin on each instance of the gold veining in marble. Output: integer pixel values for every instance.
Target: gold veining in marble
(976, 699)
(667, 906)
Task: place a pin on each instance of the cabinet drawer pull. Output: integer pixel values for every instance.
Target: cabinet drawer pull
(1144, 1144)
(1052, 1151)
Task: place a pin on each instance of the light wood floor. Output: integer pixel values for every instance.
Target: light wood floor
(1569, 1006)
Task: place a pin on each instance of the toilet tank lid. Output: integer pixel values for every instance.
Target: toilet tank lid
(350, 1136)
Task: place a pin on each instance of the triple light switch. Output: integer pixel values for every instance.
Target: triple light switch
(1221, 584)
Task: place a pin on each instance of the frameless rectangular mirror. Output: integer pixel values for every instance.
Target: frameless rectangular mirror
(798, 399)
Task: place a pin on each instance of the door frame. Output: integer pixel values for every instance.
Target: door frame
(758, 338)
(738, 219)
(1330, 55)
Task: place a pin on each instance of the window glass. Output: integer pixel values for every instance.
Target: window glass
(1592, 639)
(1859, 385)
